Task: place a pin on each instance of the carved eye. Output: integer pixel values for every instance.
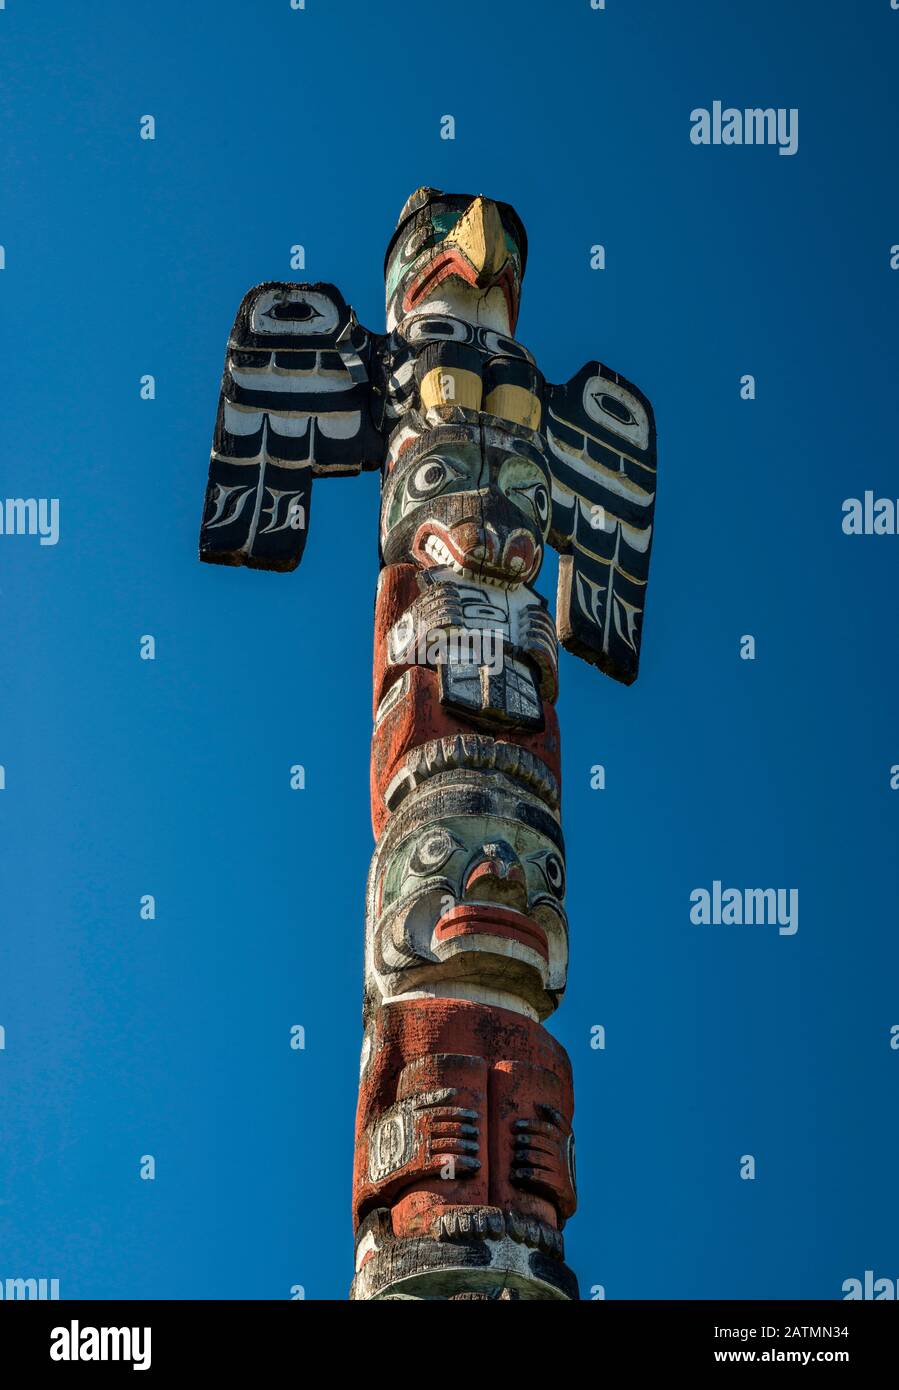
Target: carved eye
(429, 478)
(553, 871)
(432, 851)
(538, 496)
(617, 409)
(288, 312)
(294, 311)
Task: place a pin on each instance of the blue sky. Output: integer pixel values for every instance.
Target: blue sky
(126, 777)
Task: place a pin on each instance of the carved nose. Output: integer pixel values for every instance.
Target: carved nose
(497, 876)
(478, 544)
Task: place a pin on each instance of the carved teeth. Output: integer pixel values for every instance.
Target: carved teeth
(493, 1223)
(515, 1226)
(441, 554)
(435, 548)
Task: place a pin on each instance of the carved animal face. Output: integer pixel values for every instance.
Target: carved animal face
(481, 511)
(459, 253)
(477, 864)
(470, 886)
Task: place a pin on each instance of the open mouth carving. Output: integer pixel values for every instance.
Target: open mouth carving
(506, 563)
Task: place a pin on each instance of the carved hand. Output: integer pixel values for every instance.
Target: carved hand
(543, 1158)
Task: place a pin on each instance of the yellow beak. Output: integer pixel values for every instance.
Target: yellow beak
(480, 237)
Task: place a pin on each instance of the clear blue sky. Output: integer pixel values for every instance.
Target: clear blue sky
(126, 777)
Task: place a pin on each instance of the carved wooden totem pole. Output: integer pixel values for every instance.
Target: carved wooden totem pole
(464, 1174)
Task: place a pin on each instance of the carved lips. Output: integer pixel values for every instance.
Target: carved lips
(476, 919)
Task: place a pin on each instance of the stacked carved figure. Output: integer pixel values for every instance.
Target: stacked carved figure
(464, 1173)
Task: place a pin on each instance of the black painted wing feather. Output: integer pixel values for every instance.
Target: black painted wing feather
(601, 439)
(295, 404)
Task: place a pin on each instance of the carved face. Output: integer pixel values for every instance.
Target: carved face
(483, 512)
(456, 252)
(468, 885)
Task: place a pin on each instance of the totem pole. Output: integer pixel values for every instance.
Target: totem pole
(464, 1173)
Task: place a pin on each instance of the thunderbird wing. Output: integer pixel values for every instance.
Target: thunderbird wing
(296, 403)
(601, 438)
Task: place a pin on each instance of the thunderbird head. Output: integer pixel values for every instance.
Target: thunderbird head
(454, 251)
